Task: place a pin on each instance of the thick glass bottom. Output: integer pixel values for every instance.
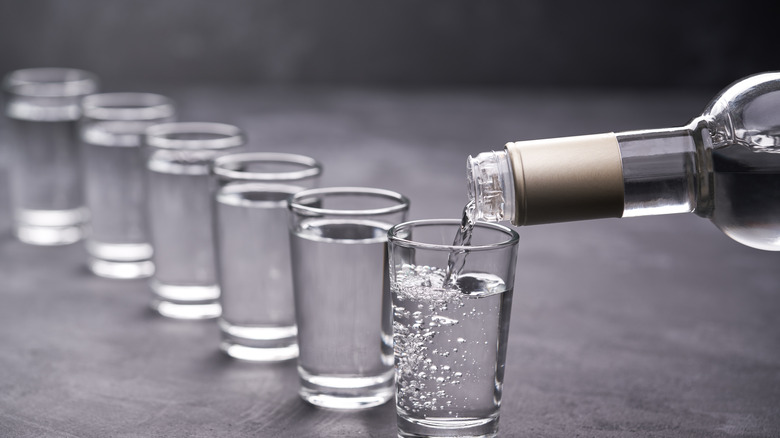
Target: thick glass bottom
(413, 427)
(50, 227)
(252, 354)
(346, 392)
(121, 270)
(259, 343)
(185, 302)
(48, 236)
(120, 260)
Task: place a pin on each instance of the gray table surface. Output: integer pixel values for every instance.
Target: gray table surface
(657, 326)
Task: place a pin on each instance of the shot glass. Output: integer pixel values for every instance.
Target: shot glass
(450, 339)
(112, 128)
(338, 240)
(253, 251)
(179, 208)
(46, 188)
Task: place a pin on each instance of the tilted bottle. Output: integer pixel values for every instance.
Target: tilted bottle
(723, 165)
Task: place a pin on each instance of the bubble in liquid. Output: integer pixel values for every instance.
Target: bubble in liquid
(443, 320)
(431, 330)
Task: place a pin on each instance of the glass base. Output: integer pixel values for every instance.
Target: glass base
(346, 392)
(411, 427)
(259, 343)
(50, 227)
(121, 270)
(242, 352)
(185, 302)
(120, 260)
(48, 236)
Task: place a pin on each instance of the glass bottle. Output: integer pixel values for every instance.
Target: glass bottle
(723, 165)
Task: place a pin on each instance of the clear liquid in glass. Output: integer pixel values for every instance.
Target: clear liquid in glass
(46, 175)
(457, 258)
(450, 351)
(339, 277)
(747, 195)
(117, 238)
(258, 314)
(180, 223)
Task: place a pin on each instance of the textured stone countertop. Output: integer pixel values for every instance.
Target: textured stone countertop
(648, 327)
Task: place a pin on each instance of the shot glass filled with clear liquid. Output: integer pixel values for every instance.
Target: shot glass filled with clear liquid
(451, 309)
(338, 242)
(179, 203)
(253, 251)
(112, 128)
(42, 105)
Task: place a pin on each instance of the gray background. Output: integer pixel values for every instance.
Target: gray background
(646, 327)
(552, 43)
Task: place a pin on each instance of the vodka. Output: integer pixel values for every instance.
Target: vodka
(179, 206)
(111, 168)
(43, 108)
(747, 202)
(339, 308)
(115, 193)
(457, 257)
(179, 202)
(46, 178)
(724, 165)
(255, 277)
(112, 129)
(450, 349)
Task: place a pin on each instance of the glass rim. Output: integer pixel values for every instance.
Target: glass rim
(50, 82)
(296, 207)
(512, 237)
(127, 106)
(160, 135)
(312, 168)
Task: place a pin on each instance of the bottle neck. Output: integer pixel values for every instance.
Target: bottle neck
(666, 171)
(491, 186)
(633, 173)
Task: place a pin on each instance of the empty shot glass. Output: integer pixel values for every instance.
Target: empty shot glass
(338, 244)
(450, 339)
(112, 128)
(253, 251)
(42, 105)
(179, 208)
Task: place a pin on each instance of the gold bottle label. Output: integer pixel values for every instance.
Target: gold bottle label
(567, 179)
